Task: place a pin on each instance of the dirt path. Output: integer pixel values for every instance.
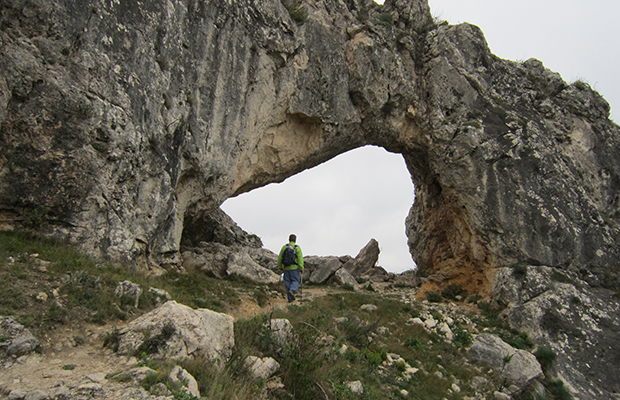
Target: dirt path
(249, 307)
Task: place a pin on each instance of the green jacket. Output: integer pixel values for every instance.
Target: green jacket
(299, 259)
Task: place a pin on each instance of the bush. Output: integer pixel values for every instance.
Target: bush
(298, 14)
(415, 344)
(433, 297)
(453, 291)
(462, 338)
(519, 271)
(558, 390)
(545, 357)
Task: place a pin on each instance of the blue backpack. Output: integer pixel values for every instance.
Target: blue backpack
(289, 255)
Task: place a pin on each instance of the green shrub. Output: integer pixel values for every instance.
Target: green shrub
(36, 217)
(453, 291)
(347, 286)
(518, 340)
(462, 338)
(474, 299)
(111, 339)
(153, 343)
(298, 14)
(559, 392)
(433, 297)
(545, 357)
(581, 85)
(519, 271)
(415, 344)
(385, 19)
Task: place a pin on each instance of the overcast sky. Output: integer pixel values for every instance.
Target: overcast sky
(337, 207)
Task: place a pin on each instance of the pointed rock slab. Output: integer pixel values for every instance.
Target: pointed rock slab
(365, 259)
(518, 366)
(176, 331)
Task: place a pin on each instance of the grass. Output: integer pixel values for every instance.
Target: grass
(81, 290)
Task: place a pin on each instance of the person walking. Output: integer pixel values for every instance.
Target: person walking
(291, 261)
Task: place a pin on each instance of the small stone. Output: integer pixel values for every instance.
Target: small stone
(455, 388)
(368, 307)
(355, 387)
(404, 393)
(430, 323)
(500, 396)
(17, 394)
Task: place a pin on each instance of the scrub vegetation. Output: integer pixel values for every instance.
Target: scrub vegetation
(336, 340)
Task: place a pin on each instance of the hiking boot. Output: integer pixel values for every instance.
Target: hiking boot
(291, 297)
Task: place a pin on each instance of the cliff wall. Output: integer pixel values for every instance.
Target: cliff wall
(122, 123)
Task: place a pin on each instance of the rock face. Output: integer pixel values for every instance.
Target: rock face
(123, 126)
(562, 312)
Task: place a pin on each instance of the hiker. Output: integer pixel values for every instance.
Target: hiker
(292, 262)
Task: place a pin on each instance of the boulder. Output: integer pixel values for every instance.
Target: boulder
(129, 289)
(365, 259)
(243, 265)
(324, 270)
(562, 312)
(343, 277)
(17, 340)
(208, 258)
(356, 387)
(176, 331)
(517, 366)
(281, 333)
(263, 367)
(377, 274)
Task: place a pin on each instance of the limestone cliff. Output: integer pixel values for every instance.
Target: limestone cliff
(122, 123)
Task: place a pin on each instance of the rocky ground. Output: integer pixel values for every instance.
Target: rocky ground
(73, 363)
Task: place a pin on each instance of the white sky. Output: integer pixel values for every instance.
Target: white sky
(337, 207)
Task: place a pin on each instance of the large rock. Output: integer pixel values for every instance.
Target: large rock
(243, 265)
(518, 367)
(324, 270)
(365, 259)
(343, 277)
(176, 331)
(16, 339)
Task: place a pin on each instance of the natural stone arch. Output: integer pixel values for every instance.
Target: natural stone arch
(336, 208)
(128, 124)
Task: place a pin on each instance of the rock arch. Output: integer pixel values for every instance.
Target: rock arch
(123, 123)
